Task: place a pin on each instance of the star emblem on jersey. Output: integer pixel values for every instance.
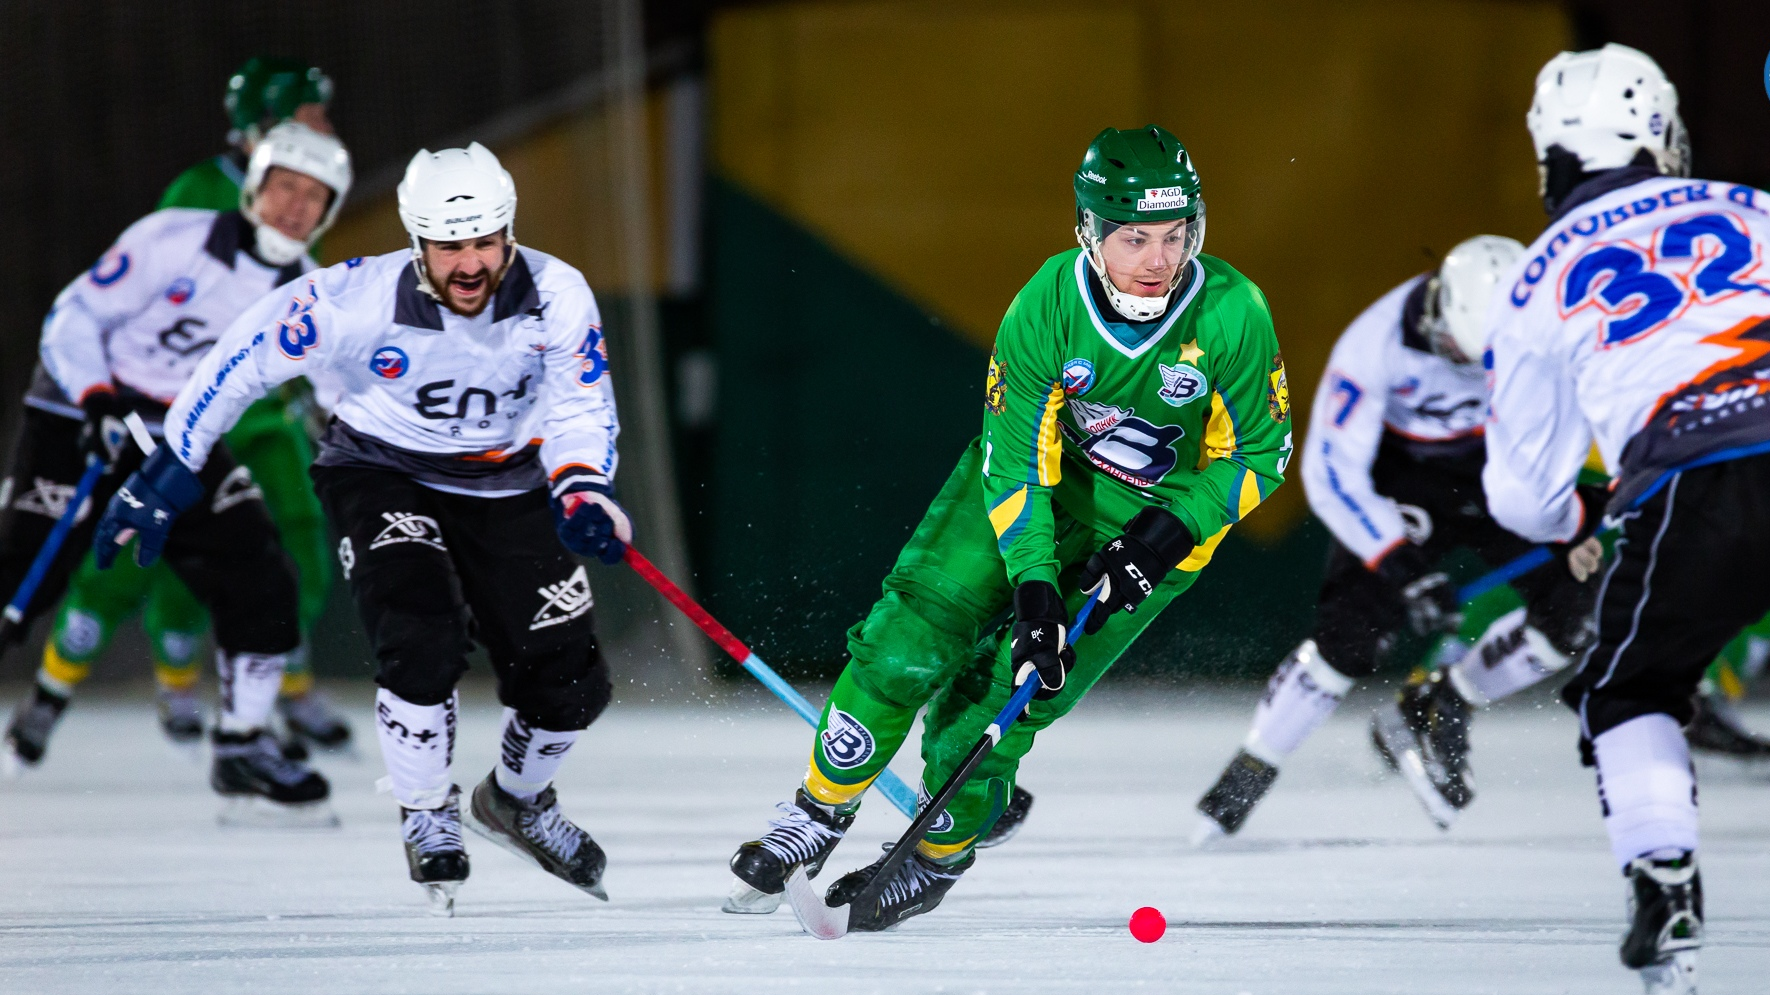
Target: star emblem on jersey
(1181, 384)
(1191, 353)
(403, 526)
(564, 601)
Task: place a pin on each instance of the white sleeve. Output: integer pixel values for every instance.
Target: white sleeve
(1345, 429)
(580, 426)
(1537, 437)
(116, 288)
(275, 340)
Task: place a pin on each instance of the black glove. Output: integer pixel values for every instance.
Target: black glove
(104, 434)
(1131, 565)
(1430, 597)
(1040, 638)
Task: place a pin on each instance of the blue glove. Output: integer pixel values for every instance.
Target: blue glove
(149, 502)
(591, 522)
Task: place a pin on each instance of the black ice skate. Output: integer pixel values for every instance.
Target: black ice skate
(1715, 729)
(1665, 922)
(434, 851)
(313, 718)
(1019, 804)
(262, 787)
(1227, 805)
(181, 717)
(1425, 736)
(916, 888)
(27, 735)
(539, 833)
(804, 833)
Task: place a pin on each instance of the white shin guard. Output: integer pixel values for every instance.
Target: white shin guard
(1299, 697)
(1509, 657)
(418, 745)
(529, 756)
(248, 686)
(1646, 788)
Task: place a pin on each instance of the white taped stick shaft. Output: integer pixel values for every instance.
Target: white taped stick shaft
(139, 431)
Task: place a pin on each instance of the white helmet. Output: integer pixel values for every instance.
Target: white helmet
(1606, 105)
(1455, 320)
(456, 194)
(294, 146)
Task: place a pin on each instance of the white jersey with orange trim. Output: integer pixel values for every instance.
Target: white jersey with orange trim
(479, 405)
(1382, 378)
(1640, 319)
(149, 310)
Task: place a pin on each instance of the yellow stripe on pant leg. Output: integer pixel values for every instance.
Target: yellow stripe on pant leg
(941, 851)
(829, 792)
(61, 670)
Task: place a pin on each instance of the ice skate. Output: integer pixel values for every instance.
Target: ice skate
(1715, 729)
(27, 735)
(539, 833)
(1425, 735)
(1227, 805)
(1665, 923)
(1013, 817)
(434, 852)
(916, 888)
(312, 717)
(803, 834)
(181, 716)
(262, 787)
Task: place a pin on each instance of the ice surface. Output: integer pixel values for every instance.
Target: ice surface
(114, 877)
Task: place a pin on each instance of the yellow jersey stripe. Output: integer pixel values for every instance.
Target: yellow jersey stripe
(829, 792)
(1005, 513)
(1219, 431)
(1050, 444)
(1201, 554)
(1250, 494)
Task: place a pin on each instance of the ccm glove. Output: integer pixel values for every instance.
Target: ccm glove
(591, 522)
(1428, 594)
(146, 506)
(1039, 641)
(1127, 569)
(104, 434)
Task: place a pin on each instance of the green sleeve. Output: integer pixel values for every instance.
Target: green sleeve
(1247, 439)
(1022, 449)
(204, 186)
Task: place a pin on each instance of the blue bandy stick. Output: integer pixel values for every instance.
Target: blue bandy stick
(14, 614)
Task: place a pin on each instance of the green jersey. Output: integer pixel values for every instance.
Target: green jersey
(213, 185)
(1189, 412)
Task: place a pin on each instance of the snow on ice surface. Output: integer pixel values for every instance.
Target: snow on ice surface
(114, 877)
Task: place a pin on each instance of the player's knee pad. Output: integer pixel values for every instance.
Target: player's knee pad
(422, 656)
(561, 694)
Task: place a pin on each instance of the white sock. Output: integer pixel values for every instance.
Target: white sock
(1299, 697)
(417, 744)
(1646, 787)
(529, 756)
(1509, 657)
(248, 685)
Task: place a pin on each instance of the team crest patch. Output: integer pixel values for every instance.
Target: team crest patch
(564, 601)
(995, 386)
(1182, 383)
(847, 743)
(1278, 393)
(942, 822)
(1078, 377)
(389, 363)
(181, 290)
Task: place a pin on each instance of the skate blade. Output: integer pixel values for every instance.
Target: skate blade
(1390, 730)
(509, 846)
(253, 812)
(1676, 976)
(12, 766)
(441, 895)
(747, 901)
(814, 916)
(1206, 833)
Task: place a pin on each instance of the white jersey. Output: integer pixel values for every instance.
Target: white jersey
(1382, 379)
(148, 312)
(461, 404)
(1638, 319)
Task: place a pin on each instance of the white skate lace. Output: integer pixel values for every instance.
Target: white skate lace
(549, 829)
(795, 836)
(912, 877)
(433, 830)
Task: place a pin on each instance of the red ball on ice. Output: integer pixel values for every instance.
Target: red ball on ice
(1147, 924)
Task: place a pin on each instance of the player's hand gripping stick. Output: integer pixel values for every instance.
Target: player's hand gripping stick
(888, 783)
(827, 917)
(14, 614)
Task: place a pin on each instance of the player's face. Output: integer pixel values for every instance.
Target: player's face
(466, 272)
(292, 203)
(1141, 259)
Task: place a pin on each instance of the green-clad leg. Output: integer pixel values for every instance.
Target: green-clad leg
(97, 602)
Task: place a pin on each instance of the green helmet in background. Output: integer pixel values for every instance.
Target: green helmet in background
(265, 92)
(1134, 177)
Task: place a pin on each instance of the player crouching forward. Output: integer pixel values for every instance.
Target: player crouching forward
(1393, 466)
(1135, 408)
(455, 360)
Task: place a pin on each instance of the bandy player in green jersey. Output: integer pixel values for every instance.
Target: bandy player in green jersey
(1135, 409)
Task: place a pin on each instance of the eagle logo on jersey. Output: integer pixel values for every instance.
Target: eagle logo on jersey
(995, 386)
(1278, 392)
(1181, 383)
(1078, 377)
(390, 362)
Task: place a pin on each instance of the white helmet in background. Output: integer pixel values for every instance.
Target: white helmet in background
(1604, 106)
(1455, 320)
(294, 146)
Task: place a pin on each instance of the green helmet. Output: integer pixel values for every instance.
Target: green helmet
(265, 92)
(1133, 178)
